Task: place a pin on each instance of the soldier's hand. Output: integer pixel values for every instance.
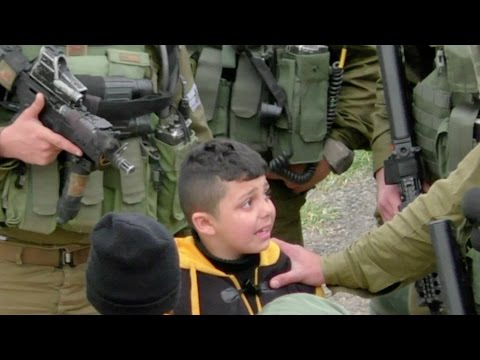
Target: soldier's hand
(28, 140)
(306, 267)
(388, 197)
(321, 172)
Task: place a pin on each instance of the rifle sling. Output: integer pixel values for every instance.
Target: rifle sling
(267, 77)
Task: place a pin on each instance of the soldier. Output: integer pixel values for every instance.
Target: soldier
(305, 121)
(445, 110)
(42, 263)
(398, 252)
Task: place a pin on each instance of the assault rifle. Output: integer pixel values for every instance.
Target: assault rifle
(404, 167)
(66, 114)
(457, 292)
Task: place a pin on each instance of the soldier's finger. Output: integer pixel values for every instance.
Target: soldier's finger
(283, 279)
(63, 144)
(37, 106)
(284, 246)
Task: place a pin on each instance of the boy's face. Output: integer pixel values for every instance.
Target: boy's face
(244, 218)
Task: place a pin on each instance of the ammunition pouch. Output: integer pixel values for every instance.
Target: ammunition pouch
(172, 157)
(245, 123)
(32, 207)
(305, 80)
(445, 107)
(240, 107)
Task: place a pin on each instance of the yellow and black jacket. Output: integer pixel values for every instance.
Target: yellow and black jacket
(207, 290)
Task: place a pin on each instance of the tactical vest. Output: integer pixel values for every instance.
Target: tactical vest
(150, 190)
(446, 108)
(239, 106)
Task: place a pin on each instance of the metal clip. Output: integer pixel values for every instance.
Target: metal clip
(20, 179)
(440, 60)
(65, 258)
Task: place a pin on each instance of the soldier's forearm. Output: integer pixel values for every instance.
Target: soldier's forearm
(401, 249)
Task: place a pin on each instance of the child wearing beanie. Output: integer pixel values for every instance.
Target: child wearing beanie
(133, 268)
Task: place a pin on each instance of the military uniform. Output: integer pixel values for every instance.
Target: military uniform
(234, 106)
(42, 264)
(400, 251)
(418, 64)
(445, 109)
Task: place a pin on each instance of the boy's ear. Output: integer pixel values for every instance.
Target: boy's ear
(203, 223)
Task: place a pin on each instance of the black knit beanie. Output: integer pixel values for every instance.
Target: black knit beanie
(133, 268)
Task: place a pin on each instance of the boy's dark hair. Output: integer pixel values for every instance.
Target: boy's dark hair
(200, 185)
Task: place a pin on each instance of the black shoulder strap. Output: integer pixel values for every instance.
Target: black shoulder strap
(266, 74)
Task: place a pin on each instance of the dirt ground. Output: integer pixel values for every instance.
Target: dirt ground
(348, 208)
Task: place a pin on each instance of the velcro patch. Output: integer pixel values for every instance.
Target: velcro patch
(129, 57)
(7, 75)
(76, 50)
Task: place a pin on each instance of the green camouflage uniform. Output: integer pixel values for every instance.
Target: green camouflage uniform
(461, 83)
(419, 63)
(400, 251)
(353, 127)
(32, 278)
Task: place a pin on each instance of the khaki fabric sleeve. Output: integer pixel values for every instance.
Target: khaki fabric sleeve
(401, 250)
(199, 121)
(353, 125)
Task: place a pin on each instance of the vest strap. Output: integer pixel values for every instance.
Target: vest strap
(268, 78)
(460, 137)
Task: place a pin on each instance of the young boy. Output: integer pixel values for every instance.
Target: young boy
(227, 263)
